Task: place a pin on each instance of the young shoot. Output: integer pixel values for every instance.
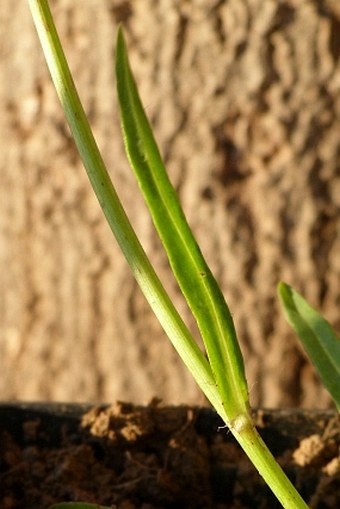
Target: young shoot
(221, 377)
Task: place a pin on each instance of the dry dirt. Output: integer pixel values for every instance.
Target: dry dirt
(159, 457)
(244, 96)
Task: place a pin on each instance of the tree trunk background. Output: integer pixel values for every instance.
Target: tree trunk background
(244, 96)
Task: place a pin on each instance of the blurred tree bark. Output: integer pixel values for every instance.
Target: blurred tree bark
(244, 98)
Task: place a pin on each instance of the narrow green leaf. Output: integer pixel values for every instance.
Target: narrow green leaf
(317, 336)
(189, 267)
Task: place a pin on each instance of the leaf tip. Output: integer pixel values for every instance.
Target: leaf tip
(120, 41)
(283, 289)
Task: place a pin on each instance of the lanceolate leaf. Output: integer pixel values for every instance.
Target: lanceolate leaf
(317, 336)
(190, 269)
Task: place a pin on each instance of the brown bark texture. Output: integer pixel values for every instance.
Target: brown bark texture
(244, 99)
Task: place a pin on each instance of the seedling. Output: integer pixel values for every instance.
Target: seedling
(221, 377)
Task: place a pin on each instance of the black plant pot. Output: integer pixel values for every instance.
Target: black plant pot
(126, 456)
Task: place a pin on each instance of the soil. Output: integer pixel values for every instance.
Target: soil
(158, 457)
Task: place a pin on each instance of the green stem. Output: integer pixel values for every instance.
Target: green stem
(120, 225)
(251, 442)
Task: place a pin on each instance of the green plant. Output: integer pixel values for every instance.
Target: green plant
(222, 376)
